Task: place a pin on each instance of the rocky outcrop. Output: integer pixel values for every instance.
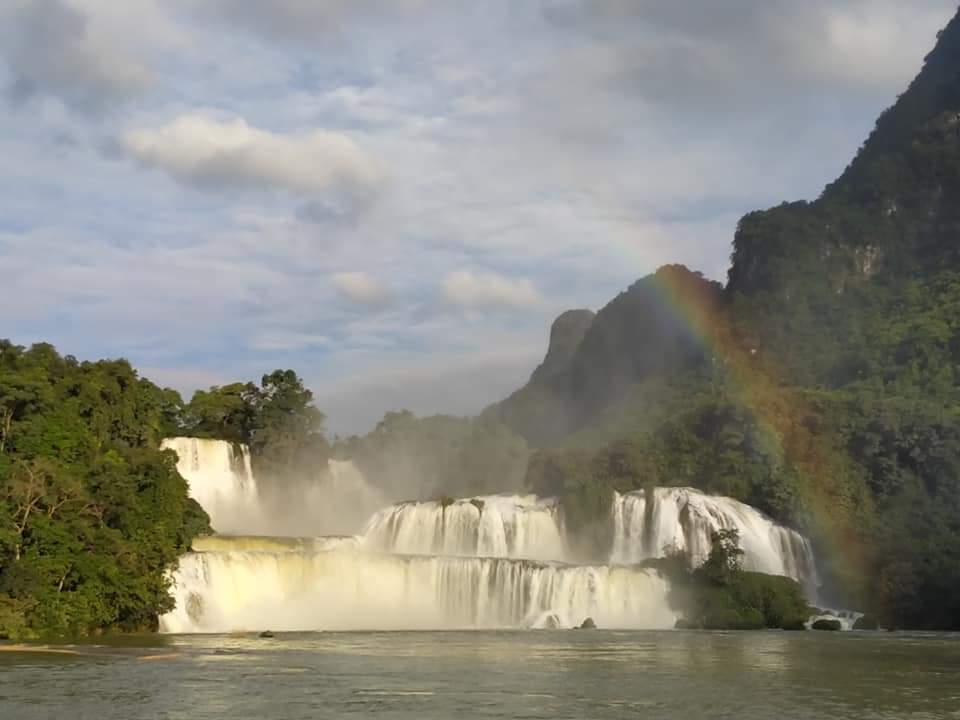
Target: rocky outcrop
(565, 335)
(642, 332)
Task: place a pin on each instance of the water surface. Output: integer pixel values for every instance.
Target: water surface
(481, 674)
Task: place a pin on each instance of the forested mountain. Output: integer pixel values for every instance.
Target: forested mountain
(821, 384)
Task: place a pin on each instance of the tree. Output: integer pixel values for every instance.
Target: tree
(725, 561)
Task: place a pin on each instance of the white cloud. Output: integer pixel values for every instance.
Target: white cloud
(50, 49)
(489, 291)
(200, 150)
(360, 288)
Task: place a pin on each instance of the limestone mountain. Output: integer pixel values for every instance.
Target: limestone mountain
(857, 286)
(635, 336)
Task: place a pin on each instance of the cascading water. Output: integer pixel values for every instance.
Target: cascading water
(493, 561)
(646, 525)
(343, 589)
(525, 526)
(221, 479)
(502, 526)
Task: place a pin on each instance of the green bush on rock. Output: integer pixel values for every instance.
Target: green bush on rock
(720, 595)
(824, 624)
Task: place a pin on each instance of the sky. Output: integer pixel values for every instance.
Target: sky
(395, 198)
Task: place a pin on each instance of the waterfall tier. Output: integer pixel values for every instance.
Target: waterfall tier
(267, 543)
(343, 589)
(647, 525)
(501, 526)
(221, 479)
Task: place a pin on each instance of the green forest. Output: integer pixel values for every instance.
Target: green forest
(821, 384)
(92, 513)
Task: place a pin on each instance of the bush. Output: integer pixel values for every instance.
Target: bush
(824, 624)
(734, 619)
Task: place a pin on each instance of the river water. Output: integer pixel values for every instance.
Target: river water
(482, 674)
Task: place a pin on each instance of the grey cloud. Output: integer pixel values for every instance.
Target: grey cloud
(301, 20)
(49, 50)
(711, 53)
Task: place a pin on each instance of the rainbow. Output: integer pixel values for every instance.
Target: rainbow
(786, 417)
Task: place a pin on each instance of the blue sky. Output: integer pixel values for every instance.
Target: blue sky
(396, 198)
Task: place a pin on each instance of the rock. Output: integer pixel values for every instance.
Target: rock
(552, 622)
(795, 624)
(824, 624)
(867, 622)
(267, 634)
(566, 333)
(588, 624)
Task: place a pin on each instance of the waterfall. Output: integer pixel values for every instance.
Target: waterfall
(496, 561)
(646, 525)
(221, 479)
(528, 527)
(345, 589)
(501, 526)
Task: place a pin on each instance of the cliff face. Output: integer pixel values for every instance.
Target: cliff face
(566, 332)
(893, 213)
(637, 335)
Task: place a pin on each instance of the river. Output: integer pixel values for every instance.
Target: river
(490, 674)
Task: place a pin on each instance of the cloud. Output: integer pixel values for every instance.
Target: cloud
(287, 340)
(705, 54)
(301, 19)
(489, 291)
(202, 151)
(360, 288)
(49, 49)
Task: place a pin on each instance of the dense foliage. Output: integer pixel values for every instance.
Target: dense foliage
(91, 512)
(277, 420)
(721, 595)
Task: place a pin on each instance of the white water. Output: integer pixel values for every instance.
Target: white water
(501, 526)
(348, 590)
(492, 561)
(684, 519)
(525, 526)
(221, 480)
